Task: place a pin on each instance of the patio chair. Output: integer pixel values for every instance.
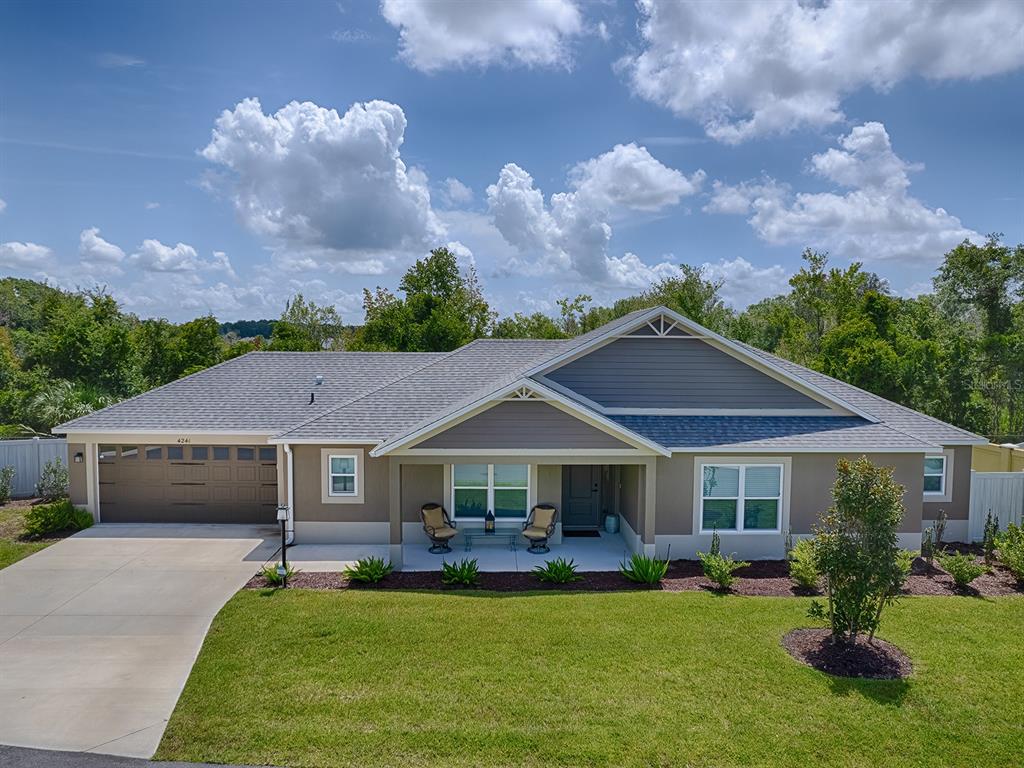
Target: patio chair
(538, 528)
(438, 527)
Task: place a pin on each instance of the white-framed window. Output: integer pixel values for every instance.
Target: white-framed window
(503, 488)
(342, 477)
(741, 498)
(935, 475)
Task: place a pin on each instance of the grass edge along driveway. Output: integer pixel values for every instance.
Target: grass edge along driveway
(362, 678)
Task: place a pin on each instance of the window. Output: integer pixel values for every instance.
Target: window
(246, 454)
(154, 452)
(129, 451)
(935, 475)
(342, 480)
(175, 452)
(741, 497)
(503, 488)
(268, 453)
(200, 453)
(221, 453)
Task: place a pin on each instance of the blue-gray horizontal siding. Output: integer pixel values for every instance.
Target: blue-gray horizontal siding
(674, 373)
(523, 424)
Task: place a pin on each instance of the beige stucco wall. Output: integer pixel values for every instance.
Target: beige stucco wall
(549, 484)
(309, 484)
(959, 507)
(76, 474)
(813, 475)
(629, 495)
(421, 484)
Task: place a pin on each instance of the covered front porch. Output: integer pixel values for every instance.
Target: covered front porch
(602, 552)
(589, 491)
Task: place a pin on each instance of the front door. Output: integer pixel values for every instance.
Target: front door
(581, 497)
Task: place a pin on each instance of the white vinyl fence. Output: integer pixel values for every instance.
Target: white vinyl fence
(28, 458)
(1002, 494)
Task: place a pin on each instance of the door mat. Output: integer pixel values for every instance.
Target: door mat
(581, 534)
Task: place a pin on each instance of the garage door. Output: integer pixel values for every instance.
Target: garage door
(188, 484)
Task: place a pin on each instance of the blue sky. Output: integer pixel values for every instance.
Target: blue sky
(561, 147)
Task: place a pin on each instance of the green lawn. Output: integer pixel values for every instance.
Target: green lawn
(364, 678)
(12, 547)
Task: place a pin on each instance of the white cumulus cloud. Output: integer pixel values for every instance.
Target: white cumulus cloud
(876, 217)
(17, 255)
(572, 230)
(309, 178)
(454, 192)
(94, 250)
(445, 34)
(743, 283)
(754, 67)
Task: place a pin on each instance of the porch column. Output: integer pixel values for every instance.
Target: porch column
(395, 510)
(650, 503)
(92, 481)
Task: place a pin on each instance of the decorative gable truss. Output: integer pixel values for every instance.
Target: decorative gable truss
(662, 326)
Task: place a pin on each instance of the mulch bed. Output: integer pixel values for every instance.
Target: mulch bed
(877, 660)
(762, 578)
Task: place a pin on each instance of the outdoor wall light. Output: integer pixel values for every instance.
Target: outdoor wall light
(79, 457)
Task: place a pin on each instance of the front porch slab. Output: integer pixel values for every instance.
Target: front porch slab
(603, 553)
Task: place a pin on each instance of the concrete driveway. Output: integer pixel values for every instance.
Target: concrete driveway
(98, 632)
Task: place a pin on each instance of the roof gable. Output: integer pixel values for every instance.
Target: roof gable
(675, 371)
(690, 348)
(519, 424)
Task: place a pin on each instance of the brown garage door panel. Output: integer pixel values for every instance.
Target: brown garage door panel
(147, 487)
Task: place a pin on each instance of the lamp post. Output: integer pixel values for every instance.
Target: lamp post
(282, 567)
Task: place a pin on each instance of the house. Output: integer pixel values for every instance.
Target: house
(652, 417)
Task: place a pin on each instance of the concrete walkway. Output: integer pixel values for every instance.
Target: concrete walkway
(98, 633)
(20, 757)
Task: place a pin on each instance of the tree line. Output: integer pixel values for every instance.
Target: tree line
(956, 353)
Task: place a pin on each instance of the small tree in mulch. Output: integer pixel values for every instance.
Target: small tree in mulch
(858, 550)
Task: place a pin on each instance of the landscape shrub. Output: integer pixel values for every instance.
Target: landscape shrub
(717, 567)
(803, 565)
(369, 570)
(273, 577)
(557, 571)
(644, 569)
(962, 568)
(858, 549)
(940, 529)
(928, 545)
(53, 481)
(904, 565)
(988, 537)
(1010, 548)
(6, 482)
(57, 516)
(465, 573)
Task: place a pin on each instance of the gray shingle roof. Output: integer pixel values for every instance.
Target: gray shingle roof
(381, 396)
(825, 433)
(897, 416)
(459, 377)
(260, 391)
